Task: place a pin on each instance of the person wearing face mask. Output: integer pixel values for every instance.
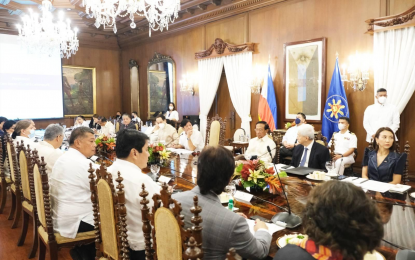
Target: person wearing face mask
(24, 131)
(289, 141)
(172, 114)
(344, 144)
(135, 118)
(380, 115)
(383, 163)
(132, 156)
(166, 132)
(70, 190)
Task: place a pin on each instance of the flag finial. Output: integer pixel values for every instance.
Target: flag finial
(337, 55)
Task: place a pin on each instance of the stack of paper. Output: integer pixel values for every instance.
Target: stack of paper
(179, 151)
(271, 227)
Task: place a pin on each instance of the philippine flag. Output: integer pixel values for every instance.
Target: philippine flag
(267, 108)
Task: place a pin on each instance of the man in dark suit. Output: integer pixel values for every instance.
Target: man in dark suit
(309, 153)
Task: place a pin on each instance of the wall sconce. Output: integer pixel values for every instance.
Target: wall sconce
(257, 78)
(358, 70)
(187, 84)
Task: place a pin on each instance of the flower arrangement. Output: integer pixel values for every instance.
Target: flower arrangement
(158, 154)
(105, 143)
(254, 174)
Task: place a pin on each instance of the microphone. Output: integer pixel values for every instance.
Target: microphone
(289, 218)
(266, 153)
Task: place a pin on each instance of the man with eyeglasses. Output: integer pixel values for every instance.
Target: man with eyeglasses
(258, 145)
(49, 147)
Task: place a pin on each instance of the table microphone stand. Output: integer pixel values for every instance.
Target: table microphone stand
(289, 218)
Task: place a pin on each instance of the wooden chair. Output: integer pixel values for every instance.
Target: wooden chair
(138, 127)
(5, 181)
(164, 234)
(348, 168)
(26, 162)
(47, 238)
(215, 132)
(15, 190)
(109, 215)
(277, 137)
(117, 127)
(236, 135)
(180, 130)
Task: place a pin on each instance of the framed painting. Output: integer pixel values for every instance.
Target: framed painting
(304, 79)
(79, 91)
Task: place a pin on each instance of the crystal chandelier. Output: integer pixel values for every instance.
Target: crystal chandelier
(42, 35)
(358, 70)
(159, 13)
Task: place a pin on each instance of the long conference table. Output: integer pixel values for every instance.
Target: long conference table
(397, 210)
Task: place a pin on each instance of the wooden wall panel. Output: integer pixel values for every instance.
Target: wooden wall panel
(399, 6)
(232, 30)
(108, 78)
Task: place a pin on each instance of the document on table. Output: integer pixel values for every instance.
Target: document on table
(376, 186)
(179, 151)
(271, 227)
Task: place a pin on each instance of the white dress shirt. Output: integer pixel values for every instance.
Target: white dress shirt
(172, 115)
(133, 180)
(168, 134)
(258, 146)
(291, 135)
(108, 129)
(26, 141)
(377, 116)
(50, 154)
(196, 139)
(308, 154)
(136, 119)
(70, 193)
(344, 142)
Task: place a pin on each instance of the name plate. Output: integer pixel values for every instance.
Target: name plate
(239, 195)
(164, 179)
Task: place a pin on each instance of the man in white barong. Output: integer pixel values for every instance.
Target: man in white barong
(380, 114)
(70, 191)
(167, 134)
(49, 148)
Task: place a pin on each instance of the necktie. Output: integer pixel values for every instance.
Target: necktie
(304, 157)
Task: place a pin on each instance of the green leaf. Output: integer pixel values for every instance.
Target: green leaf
(239, 168)
(283, 174)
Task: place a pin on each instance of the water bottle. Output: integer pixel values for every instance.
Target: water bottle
(230, 205)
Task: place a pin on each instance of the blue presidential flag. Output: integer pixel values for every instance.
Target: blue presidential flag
(336, 104)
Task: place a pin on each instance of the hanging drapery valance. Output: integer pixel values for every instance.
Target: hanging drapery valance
(392, 22)
(237, 60)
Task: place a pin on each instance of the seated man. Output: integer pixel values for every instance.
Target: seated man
(309, 153)
(49, 148)
(132, 156)
(166, 132)
(70, 192)
(107, 128)
(189, 139)
(344, 144)
(258, 145)
(290, 138)
(222, 228)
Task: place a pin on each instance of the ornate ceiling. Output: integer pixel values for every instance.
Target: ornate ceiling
(193, 13)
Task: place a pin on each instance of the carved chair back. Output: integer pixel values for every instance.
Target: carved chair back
(238, 133)
(163, 227)
(117, 127)
(25, 164)
(215, 132)
(12, 159)
(44, 209)
(109, 215)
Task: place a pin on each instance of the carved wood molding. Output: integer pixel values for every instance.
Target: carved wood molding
(390, 21)
(160, 58)
(220, 48)
(197, 20)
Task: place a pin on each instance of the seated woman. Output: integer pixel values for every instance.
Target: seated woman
(9, 126)
(383, 164)
(94, 122)
(127, 123)
(341, 222)
(80, 121)
(24, 131)
(172, 114)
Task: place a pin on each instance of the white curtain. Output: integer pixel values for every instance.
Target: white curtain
(210, 71)
(394, 56)
(238, 69)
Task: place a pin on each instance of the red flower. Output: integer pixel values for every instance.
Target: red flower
(245, 171)
(270, 171)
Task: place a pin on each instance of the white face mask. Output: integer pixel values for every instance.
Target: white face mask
(341, 126)
(161, 125)
(171, 108)
(382, 100)
(32, 134)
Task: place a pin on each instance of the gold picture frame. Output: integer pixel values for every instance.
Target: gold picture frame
(79, 91)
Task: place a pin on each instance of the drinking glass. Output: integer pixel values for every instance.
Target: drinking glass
(330, 166)
(155, 169)
(230, 189)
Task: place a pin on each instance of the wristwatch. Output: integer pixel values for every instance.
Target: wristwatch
(342, 155)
